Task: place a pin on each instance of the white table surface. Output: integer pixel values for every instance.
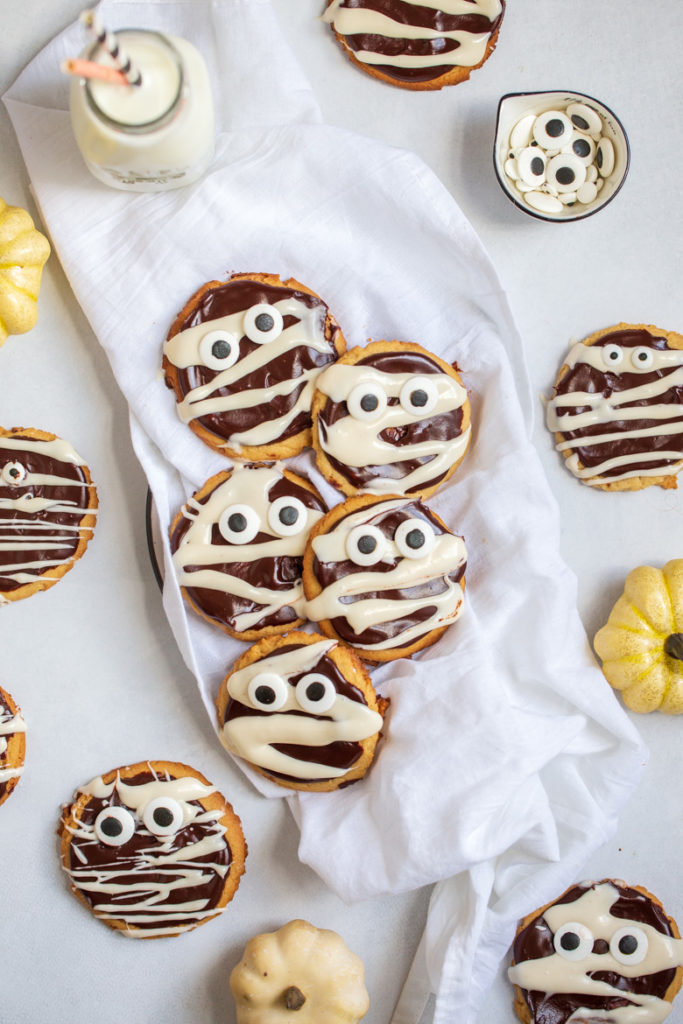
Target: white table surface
(93, 662)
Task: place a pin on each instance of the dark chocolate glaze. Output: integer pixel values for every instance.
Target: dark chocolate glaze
(443, 427)
(423, 17)
(280, 573)
(232, 297)
(536, 941)
(123, 863)
(341, 753)
(33, 523)
(328, 572)
(583, 377)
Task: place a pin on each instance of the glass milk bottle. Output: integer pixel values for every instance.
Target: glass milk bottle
(150, 137)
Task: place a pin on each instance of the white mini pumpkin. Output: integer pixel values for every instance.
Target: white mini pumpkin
(23, 252)
(299, 975)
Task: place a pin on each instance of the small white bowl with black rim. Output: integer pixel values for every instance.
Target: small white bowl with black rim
(550, 181)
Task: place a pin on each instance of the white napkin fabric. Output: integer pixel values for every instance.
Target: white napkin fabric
(506, 756)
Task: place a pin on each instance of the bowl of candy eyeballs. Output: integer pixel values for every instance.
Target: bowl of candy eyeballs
(559, 156)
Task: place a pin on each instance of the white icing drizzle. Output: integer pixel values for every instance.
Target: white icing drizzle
(247, 485)
(250, 737)
(10, 724)
(183, 351)
(11, 528)
(555, 974)
(145, 898)
(618, 407)
(356, 442)
(447, 554)
(349, 21)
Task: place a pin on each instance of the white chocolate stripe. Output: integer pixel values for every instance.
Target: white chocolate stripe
(10, 724)
(592, 355)
(58, 449)
(10, 773)
(623, 435)
(15, 723)
(587, 472)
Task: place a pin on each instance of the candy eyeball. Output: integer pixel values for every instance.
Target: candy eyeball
(263, 323)
(552, 130)
(583, 148)
(114, 826)
(584, 118)
(367, 402)
(365, 545)
(315, 693)
(573, 941)
(287, 516)
(219, 350)
(239, 524)
(163, 816)
(414, 538)
(629, 945)
(566, 172)
(267, 691)
(13, 473)
(604, 157)
(612, 355)
(531, 164)
(419, 396)
(642, 358)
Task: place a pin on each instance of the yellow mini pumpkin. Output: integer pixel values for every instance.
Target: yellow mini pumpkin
(23, 252)
(299, 975)
(641, 645)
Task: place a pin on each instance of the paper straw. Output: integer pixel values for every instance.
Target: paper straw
(110, 43)
(89, 69)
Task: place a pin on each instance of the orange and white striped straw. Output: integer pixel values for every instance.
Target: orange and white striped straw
(110, 43)
(89, 69)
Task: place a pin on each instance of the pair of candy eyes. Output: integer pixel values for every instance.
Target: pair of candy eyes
(314, 692)
(368, 401)
(239, 524)
(13, 473)
(367, 545)
(220, 350)
(115, 825)
(642, 358)
(574, 941)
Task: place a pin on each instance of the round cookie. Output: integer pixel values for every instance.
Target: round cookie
(604, 947)
(152, 849)
(239, 565)
(385, 575)
(390, 418)
(242, 357)
(301, 709)
(299, 968)
(617, 410)
(413, 43)
(48, 505)
(12, 744)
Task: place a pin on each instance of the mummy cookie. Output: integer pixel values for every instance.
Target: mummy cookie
(48, 505)
(416, 44)
(152, 849)
(238, 546)
(302, 710)
(603, 952)
(242, 358)
(12, 745)
(390, 418)
(384, 575)
(617, 411)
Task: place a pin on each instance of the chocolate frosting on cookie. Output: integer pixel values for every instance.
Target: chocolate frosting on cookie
(418, 41)
(44, 497)
(434, 438)
(613, 984)
(630, 422)
(281, 368)
(245, 586)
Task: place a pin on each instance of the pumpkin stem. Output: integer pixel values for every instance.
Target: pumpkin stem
(294, 998)
(673, 646)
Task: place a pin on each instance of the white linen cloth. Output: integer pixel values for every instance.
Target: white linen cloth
(506, 757)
